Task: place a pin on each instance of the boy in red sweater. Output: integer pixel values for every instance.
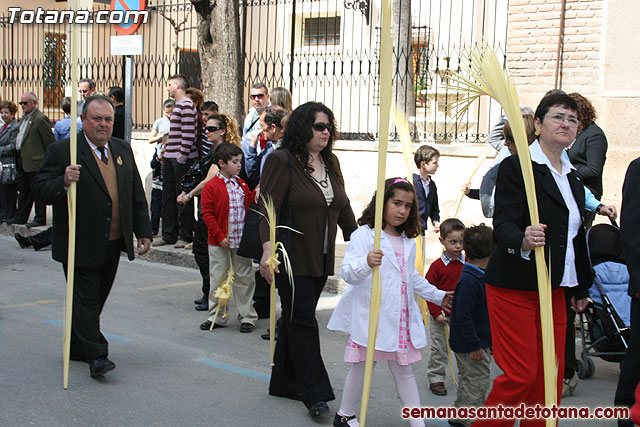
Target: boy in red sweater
(225, 202)
(444, 274)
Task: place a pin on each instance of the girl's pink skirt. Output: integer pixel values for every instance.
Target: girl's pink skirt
(355, 353)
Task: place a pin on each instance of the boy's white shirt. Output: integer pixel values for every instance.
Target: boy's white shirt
(352, 312)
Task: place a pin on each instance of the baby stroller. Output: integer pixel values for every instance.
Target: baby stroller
(604, 325)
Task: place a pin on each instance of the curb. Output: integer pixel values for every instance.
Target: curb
(167, 255)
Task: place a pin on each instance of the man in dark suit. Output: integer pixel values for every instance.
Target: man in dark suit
(34, 136)
(111, 208)
(630, 232)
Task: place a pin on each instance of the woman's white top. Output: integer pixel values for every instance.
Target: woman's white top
(570, 276)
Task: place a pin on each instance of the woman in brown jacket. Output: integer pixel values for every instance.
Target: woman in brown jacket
(303, 177)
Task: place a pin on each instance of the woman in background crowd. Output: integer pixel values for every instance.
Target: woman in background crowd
(8, 133)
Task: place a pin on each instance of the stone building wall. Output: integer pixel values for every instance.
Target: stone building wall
(598, 60)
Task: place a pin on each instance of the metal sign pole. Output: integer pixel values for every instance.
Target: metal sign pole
(128, 96)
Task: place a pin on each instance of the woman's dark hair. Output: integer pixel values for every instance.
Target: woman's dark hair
(553, 100)
(9, 105)
(478, 241)
(299, 132)
(195, 95)
(586, 110)
(411, 226)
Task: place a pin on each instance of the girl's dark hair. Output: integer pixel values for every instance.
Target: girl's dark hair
(299, 132)
(411, 226)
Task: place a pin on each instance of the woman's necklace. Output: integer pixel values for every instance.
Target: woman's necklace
(323, 182)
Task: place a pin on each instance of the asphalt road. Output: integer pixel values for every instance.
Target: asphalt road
(170, 373)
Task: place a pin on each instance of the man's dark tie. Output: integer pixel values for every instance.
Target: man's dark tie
(103, 155)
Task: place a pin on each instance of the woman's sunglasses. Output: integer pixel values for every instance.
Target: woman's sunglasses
(320, 127)
(212, 128)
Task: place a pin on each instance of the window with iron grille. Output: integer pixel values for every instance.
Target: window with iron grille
(54, 78)
(322, 31)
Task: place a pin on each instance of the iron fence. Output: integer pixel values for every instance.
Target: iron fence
(324, 50)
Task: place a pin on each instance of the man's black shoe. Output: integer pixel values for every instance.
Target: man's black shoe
(37, 244)
(202, 307)
(202, 300)
(267, 336)
(22, 241)
(34, 224)
(100, 366)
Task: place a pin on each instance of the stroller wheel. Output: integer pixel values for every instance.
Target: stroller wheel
(586, 368)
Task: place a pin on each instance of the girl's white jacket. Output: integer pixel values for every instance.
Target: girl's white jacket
(352, 313)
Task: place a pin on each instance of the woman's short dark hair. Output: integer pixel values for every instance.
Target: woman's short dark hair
(411, 226)
(553, 100)
(299, 132)
(9, 105)
(478, 241)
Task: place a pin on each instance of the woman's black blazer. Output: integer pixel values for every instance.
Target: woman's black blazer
(507, 268)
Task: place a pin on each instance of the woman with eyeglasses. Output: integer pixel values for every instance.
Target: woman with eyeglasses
(8, 133)
(512, 287)
(219, 128)
(304, 179)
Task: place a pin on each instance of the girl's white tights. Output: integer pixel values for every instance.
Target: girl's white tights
(405, 384)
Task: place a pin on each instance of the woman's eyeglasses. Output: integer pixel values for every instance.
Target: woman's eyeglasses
(212, 128)
(560, 119)
(320, 127)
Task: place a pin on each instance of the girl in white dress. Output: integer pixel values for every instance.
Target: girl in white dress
(400, 330)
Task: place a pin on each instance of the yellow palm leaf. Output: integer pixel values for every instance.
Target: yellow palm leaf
(402, 126)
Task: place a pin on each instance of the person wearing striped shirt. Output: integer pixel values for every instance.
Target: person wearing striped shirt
(180, 153)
